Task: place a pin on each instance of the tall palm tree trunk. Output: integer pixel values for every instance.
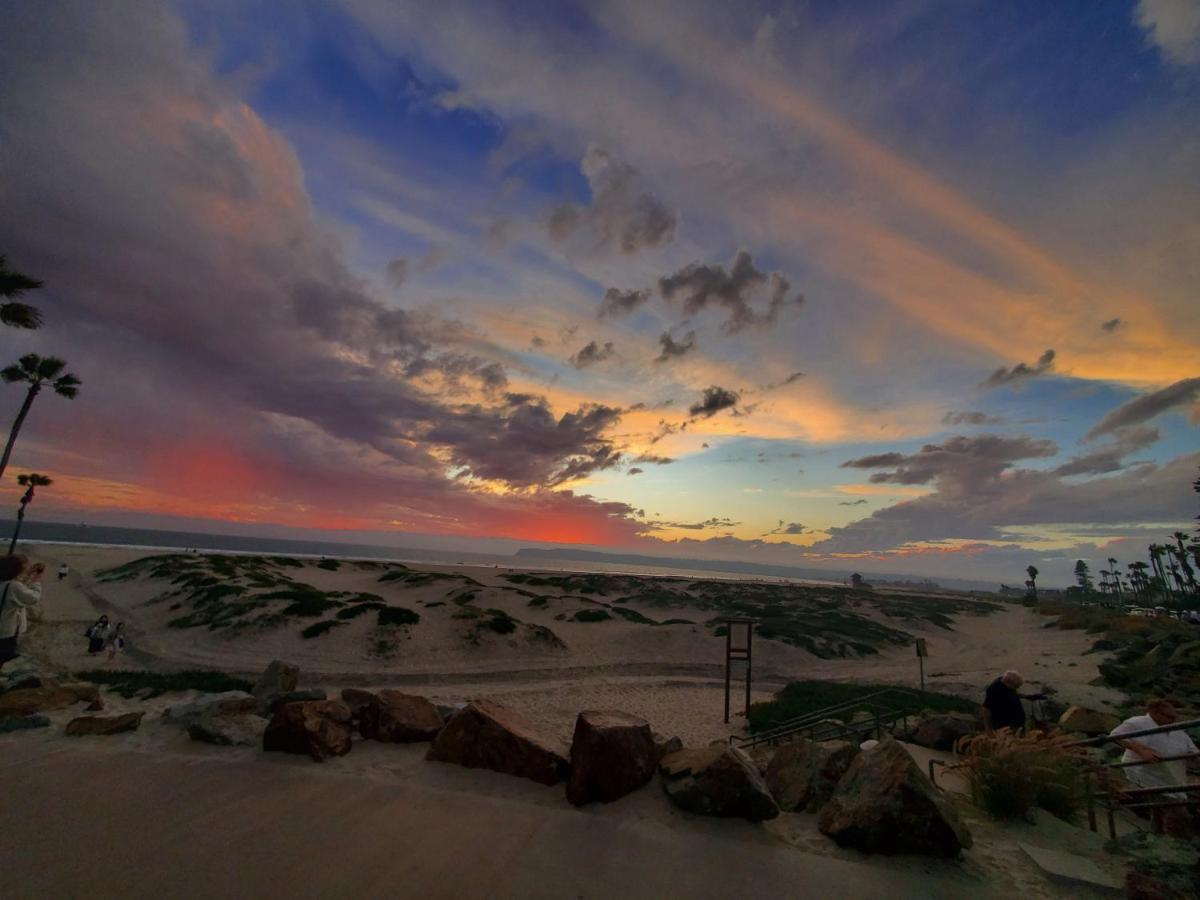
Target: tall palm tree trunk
(16, 426)
(12, 547)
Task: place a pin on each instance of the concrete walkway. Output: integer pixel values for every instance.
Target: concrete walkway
(96, 820)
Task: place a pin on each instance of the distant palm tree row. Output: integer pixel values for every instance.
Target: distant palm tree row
(37, 372)
(1168, 579)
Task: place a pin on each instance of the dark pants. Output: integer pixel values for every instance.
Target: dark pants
(8, 649)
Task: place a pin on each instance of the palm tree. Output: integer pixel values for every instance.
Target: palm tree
(12, 311)
(1031, 571)
(1137, 574)
(1104, 573)
(1116, 579)
(1160, 573)
(37, 372)
(31, 481)
(1181, 554)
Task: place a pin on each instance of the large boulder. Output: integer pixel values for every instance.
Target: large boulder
(320, 728)
(399, 718)
(227, 703)
(612, 754)
(243, 730)
(885, 804)
(1082, 720)
(485, 735)
(50, 696)
(802, 775)
(23, 723)
(278, 678)
(941, 731)
(717, 781)
(85, 725)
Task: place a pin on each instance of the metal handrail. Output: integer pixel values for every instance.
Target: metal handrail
(1145, 732)
(816, 724)
(798, 723)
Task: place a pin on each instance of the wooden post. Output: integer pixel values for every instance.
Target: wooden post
(728, 664)
(922, 652)
(745, 652)
(749, 655)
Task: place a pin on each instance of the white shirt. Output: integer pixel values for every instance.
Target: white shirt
(1168, 743)
(20, 598)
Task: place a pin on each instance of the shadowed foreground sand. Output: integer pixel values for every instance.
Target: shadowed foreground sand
(112, 822)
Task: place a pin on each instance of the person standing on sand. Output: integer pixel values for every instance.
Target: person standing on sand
(63, 570)
(97, 635)
(116, 641)
(20, 593)
(1002, 706)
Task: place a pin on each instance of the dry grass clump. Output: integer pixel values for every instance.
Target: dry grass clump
(1009, 774)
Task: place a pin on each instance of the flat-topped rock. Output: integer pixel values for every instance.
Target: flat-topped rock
(242, 730)
(717, 781)
(612, 754)
(50, 696)
(486, 735)
(399, 718)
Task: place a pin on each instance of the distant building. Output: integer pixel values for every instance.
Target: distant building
(856, 582)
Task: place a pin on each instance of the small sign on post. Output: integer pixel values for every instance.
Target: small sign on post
(922, 652)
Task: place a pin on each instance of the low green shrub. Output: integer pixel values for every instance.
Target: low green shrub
(320, 628)
(591, 615)
(130, 683)
(397, 615)
(330, 565)
(803, 697)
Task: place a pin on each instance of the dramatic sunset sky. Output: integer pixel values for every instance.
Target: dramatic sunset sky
(905, 286)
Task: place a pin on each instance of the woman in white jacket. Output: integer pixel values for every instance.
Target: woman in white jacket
(20, 593)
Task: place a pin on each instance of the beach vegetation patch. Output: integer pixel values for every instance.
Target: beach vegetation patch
(539, 601)
(1009, 774)
(397, 615)
(544, 635)
(319, 628)
(131, 683)
(330, 565)
(358, 609)
(676, 622)
(632, 615)
(591, 615)
(800, 698)
(499, 621)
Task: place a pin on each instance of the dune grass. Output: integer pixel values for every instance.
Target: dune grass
(131, 683)
(801, 698)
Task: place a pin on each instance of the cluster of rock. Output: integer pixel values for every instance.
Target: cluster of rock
(27, 693)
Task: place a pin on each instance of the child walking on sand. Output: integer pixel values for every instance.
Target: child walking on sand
(97, 635)
(116, 641)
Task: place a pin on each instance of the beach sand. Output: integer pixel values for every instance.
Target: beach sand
(150, 812)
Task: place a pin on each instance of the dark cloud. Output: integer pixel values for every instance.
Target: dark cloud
(524, 444)
(1112, 325)
(617, 303)
(672, 349)
(971, 418)
(714, 400)
(1020, 371)
(1111, 458)
(655, 460)
(537, 341)
(1144, 408)
(966, 461)
(620, 215)
(635, 471)
(700, 286)
(396, 271)
(699, 526)
(861, 501)
(592, 353)
(788, 528)
(791, 379)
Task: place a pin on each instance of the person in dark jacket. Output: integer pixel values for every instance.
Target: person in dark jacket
(1002, 706)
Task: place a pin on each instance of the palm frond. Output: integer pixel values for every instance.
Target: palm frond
(13, 284)
(20, 315)
(67, 386)
(12, 373)
(35, 479)
(50, 367)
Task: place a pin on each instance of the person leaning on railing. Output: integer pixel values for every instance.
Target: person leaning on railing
(1153, 748)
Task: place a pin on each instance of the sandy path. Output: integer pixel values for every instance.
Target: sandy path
(119, 823)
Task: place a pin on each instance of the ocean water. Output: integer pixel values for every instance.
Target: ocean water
(153, 539)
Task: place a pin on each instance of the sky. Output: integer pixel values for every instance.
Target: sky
(901, 286)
